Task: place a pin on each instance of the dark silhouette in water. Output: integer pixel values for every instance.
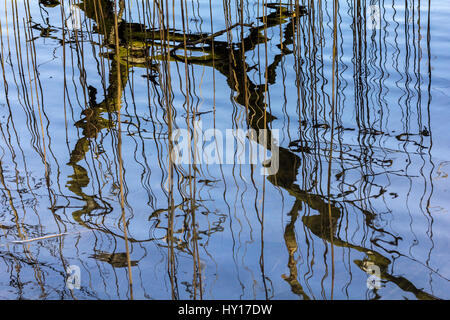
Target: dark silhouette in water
(117, 259)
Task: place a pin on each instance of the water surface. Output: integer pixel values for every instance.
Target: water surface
(360, 103)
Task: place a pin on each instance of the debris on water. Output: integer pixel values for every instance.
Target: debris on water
(321, 125)
(39, 238)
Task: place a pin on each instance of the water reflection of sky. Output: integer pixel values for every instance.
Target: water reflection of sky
(388, 179)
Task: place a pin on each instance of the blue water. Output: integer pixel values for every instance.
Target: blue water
(381, 174)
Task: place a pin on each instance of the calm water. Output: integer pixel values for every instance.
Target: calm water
(358, 94)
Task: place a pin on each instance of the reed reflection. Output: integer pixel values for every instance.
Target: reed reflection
(337, 176)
